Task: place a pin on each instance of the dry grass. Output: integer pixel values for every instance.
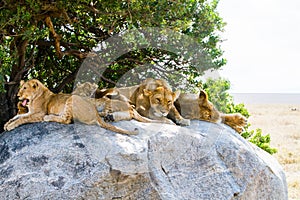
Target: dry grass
(282, 122)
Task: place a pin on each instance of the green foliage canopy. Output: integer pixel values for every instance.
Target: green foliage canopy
(49, 39)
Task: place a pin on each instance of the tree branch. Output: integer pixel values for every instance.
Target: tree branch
(55, 36)
(66, 80)
(76, 53)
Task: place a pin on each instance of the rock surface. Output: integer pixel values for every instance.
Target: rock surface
(202, 161)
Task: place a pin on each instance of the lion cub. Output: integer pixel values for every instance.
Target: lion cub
(43, 105)
(193, 106)
(111, 105)
(154, 99)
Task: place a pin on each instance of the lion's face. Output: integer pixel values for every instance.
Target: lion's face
(208, 112)
(28, 91)
(86, 89)
(161, 101)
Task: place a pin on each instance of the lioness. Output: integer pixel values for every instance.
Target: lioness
(111, 105)
(44, 105)
(193, 106)
(88, 89)
(154, 99)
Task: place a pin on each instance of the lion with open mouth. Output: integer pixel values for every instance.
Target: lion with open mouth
(44, 105)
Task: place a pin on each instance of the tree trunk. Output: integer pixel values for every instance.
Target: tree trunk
(9, 99)
(4, 111)
(8, 103)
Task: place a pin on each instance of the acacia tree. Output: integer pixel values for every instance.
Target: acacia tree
(49, 40)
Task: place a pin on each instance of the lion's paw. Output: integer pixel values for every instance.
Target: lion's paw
(241, 120)
(9, 126)
(47, 118)
(183, 122)
(5, 126)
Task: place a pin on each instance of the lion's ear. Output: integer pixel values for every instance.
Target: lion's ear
(35, 85)
(147, 93)
(94, 86)
(176, 94)
(22, 82)
(203, 95)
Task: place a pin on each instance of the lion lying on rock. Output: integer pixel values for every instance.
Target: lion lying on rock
(154, 99)
(43, 105)
(111, 105)
(194, 106)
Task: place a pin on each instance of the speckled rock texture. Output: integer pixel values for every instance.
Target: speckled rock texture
(77, 161)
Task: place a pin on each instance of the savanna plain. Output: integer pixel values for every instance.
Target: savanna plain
(282, 122)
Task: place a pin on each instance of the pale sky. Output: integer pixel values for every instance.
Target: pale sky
(262, 45)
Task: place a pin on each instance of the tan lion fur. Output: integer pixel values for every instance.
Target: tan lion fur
(153, 98)
(110, 103)
(44, 105)
(21, 109)
(88, 89)
(194, 106)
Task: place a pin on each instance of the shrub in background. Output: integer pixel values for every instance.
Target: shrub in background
(218, 94)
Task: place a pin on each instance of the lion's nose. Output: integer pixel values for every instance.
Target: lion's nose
(164, 113)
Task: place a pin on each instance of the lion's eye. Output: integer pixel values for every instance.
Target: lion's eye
(157, 100)
(169, 102)
(24, 88)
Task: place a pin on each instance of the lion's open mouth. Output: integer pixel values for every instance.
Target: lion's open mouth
(24, 102)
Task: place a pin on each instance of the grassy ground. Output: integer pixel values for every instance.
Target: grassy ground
(282, 122)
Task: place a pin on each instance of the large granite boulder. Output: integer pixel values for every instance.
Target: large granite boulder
(202, 161)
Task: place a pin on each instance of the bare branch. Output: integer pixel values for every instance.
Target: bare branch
(66, 80)
(3, 4)
(76, 53)
(55, 35)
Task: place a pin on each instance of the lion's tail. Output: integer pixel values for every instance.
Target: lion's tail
(114, 128)
(140, 118)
